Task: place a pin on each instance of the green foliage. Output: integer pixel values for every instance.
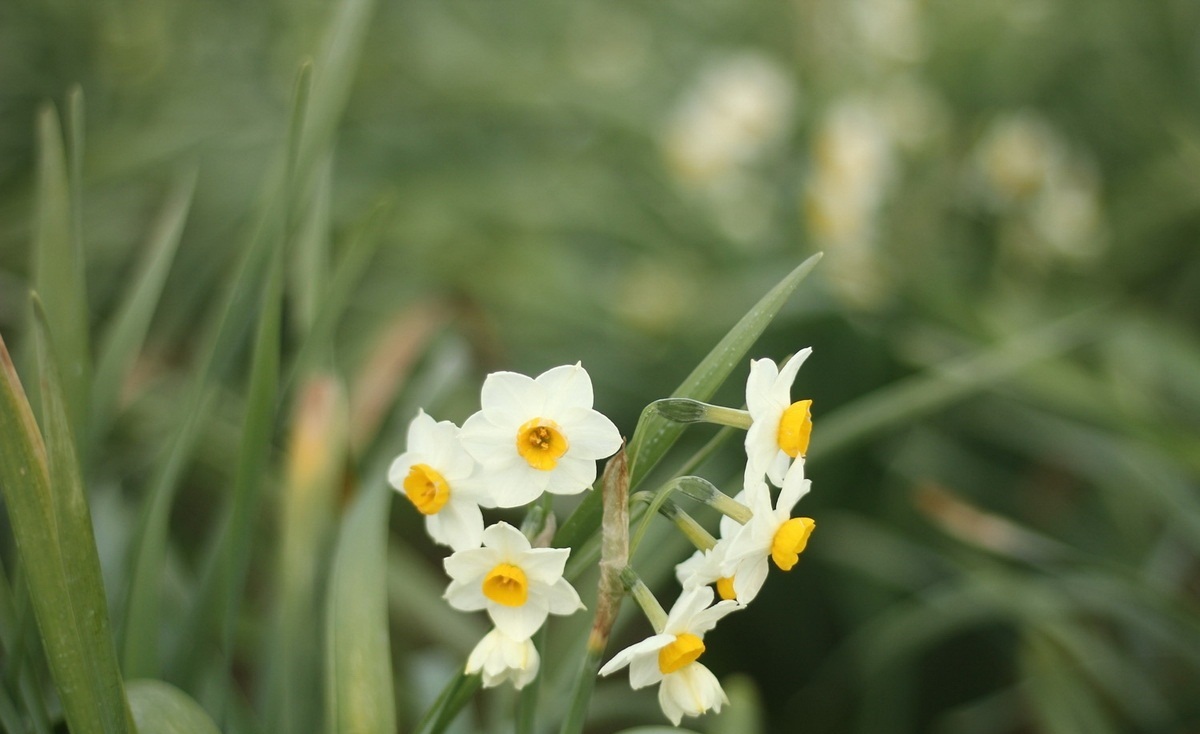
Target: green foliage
(390, 200)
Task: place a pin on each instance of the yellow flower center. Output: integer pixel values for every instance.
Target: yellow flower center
(426, 488)
(795, 428)
(725, 587)
(684, 651)
(541, 443)
(506, 584)
(789, 541)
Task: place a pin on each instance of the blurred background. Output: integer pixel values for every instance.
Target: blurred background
(1005, 323)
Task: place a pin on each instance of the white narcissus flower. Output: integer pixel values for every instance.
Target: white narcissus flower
(502, 658)
(435, 473)
(669, 658)
(517, 584)
(779, 429)
(537, 435)
(771, 532)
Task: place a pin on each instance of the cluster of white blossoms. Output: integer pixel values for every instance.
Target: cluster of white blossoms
(737, 563)
(540, 435)
(532, 435)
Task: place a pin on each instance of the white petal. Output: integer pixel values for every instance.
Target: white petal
(470, 565)
(689, 603)
(399, 468)
(510, 399)
(561, 598)
(508, 543)
(690, 572)
(644, 671)
(590, 434)
(762, 445)
(758, 385)
(570, 475)
(544, 565)
(795, 486)
(442, 446)
(649, 646)
(519, 622)
(516, 484)
(419, 439)
(692, 691)
(706, 619)
(466, 597)
(566, 387)
(787, 375)
(778, 466)
(749, 578)
(487, 443)
(459, 525)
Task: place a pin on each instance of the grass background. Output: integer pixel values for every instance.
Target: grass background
(1006, 368)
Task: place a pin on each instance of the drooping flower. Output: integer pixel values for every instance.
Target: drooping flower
(540, 434)
(771, 533)
(670, 657)
(435, 473)
(779, 429)
(517, 584)
(503, 658)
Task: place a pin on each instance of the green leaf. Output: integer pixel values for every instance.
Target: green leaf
(654, 434)
(58, 272)
(657, 730)
(125, 332)
(52, 528)
(160, 708)
(359, 691)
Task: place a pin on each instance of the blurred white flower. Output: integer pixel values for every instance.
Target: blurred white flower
(1029, 172)
(517, 584)
(779, 429)
(537, 435)
(852, 170)
(669, 658)
(735, 110)
(771, 532)
(503, 658)
(435, 473)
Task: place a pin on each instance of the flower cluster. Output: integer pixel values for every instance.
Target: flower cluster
(777, 440)
(534, 436)
(531, 436)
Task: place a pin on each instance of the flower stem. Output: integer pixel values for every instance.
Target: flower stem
(645, 599)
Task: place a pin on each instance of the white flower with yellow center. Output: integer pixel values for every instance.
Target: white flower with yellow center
(518, 585)
(779, 429)
(669, 658)
(771, 533)
(502, 658)
(739, 581)
(435, 473)
(537, 435)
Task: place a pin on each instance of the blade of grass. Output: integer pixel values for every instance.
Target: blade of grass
(125, 332)
(50, 523)
(359, 690)
(317, 452)
(58, 272)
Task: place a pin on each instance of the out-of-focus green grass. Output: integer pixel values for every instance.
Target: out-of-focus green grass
(1006, 323)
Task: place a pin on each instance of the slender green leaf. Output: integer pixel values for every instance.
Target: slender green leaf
(58, 267)
(654, 434)
(317, 451)
(160, 708)
(359, 693)
(124, 334)
(52, 528)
